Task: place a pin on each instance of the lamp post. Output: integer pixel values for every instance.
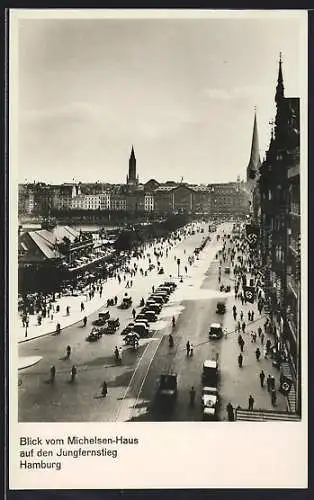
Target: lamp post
(178, 264)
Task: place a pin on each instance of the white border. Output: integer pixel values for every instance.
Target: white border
(171, 455)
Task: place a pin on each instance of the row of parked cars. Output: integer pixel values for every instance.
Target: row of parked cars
(149, 313)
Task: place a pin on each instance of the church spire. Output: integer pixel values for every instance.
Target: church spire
(255, 160)
(280, 91)
(132, 178)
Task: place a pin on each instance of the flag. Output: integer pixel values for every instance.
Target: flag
(249, 293)
(252, 235)
(285, 385)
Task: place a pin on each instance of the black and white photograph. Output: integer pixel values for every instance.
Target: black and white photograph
(158, 167)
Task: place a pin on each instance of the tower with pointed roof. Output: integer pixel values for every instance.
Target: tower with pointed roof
(131, 179)
(252, 169)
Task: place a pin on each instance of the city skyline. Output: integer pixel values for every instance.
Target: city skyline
(182, 91)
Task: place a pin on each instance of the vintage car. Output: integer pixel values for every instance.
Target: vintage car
(114, 323)
(150, 315)
(221, 308)
(102, 318)
(131, 338)
(167, 388)
(215, 331)
(126, 303)
(209, 402)
(141, 328)
(128, 329)
(210, 373)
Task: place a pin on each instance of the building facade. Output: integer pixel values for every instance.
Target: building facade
(279, 186)
(231, 199)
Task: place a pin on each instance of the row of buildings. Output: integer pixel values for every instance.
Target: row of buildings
(162, 198)
(275, 192)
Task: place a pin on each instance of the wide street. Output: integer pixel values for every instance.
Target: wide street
(132, 386)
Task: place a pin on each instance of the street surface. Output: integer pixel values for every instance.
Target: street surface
(132, 386)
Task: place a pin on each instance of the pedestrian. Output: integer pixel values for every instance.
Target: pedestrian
(73, 373)
(273, 397)
(52, 373)
(68, 352)
(153, 288)
(241, 315)
(259, 331)
(68, 310)
(133, 313)
(188, 348)
(272, 382)
(249, 315)
(268, 345)
(239, 327)
(262, 338)
(240, 360)
(115, 300)
(104, 390)
(230, 412)
(268, 383)
(252, 315)
(234, 315)
(192, 396)
(82, 306)
(262, 378)
(243, 326)
(251, 402)
(258, 354)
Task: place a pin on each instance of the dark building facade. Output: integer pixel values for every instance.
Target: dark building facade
(279, 186)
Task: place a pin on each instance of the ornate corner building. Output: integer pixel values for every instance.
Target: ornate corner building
(279, 191)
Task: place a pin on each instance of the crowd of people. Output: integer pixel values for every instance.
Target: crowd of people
(248, 310)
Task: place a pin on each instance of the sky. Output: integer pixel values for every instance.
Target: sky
(182, 91)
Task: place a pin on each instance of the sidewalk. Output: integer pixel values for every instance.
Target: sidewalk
(237, 386)
(111, 287)
(27, 361)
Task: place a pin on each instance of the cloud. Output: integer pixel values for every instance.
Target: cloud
(235, 93)
(72, 112)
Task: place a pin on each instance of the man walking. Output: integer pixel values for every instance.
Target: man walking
(251, 402)
(188, 347)
(240, 360)
(230, 412)
(262, 378)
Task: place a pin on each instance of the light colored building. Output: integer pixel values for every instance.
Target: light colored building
(149, 202)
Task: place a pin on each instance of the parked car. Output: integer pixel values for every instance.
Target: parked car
(157, 298)
(172, 284)
(141, 328)
(152, 304)
(151, 315)
(131, 338)
(128, 329)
